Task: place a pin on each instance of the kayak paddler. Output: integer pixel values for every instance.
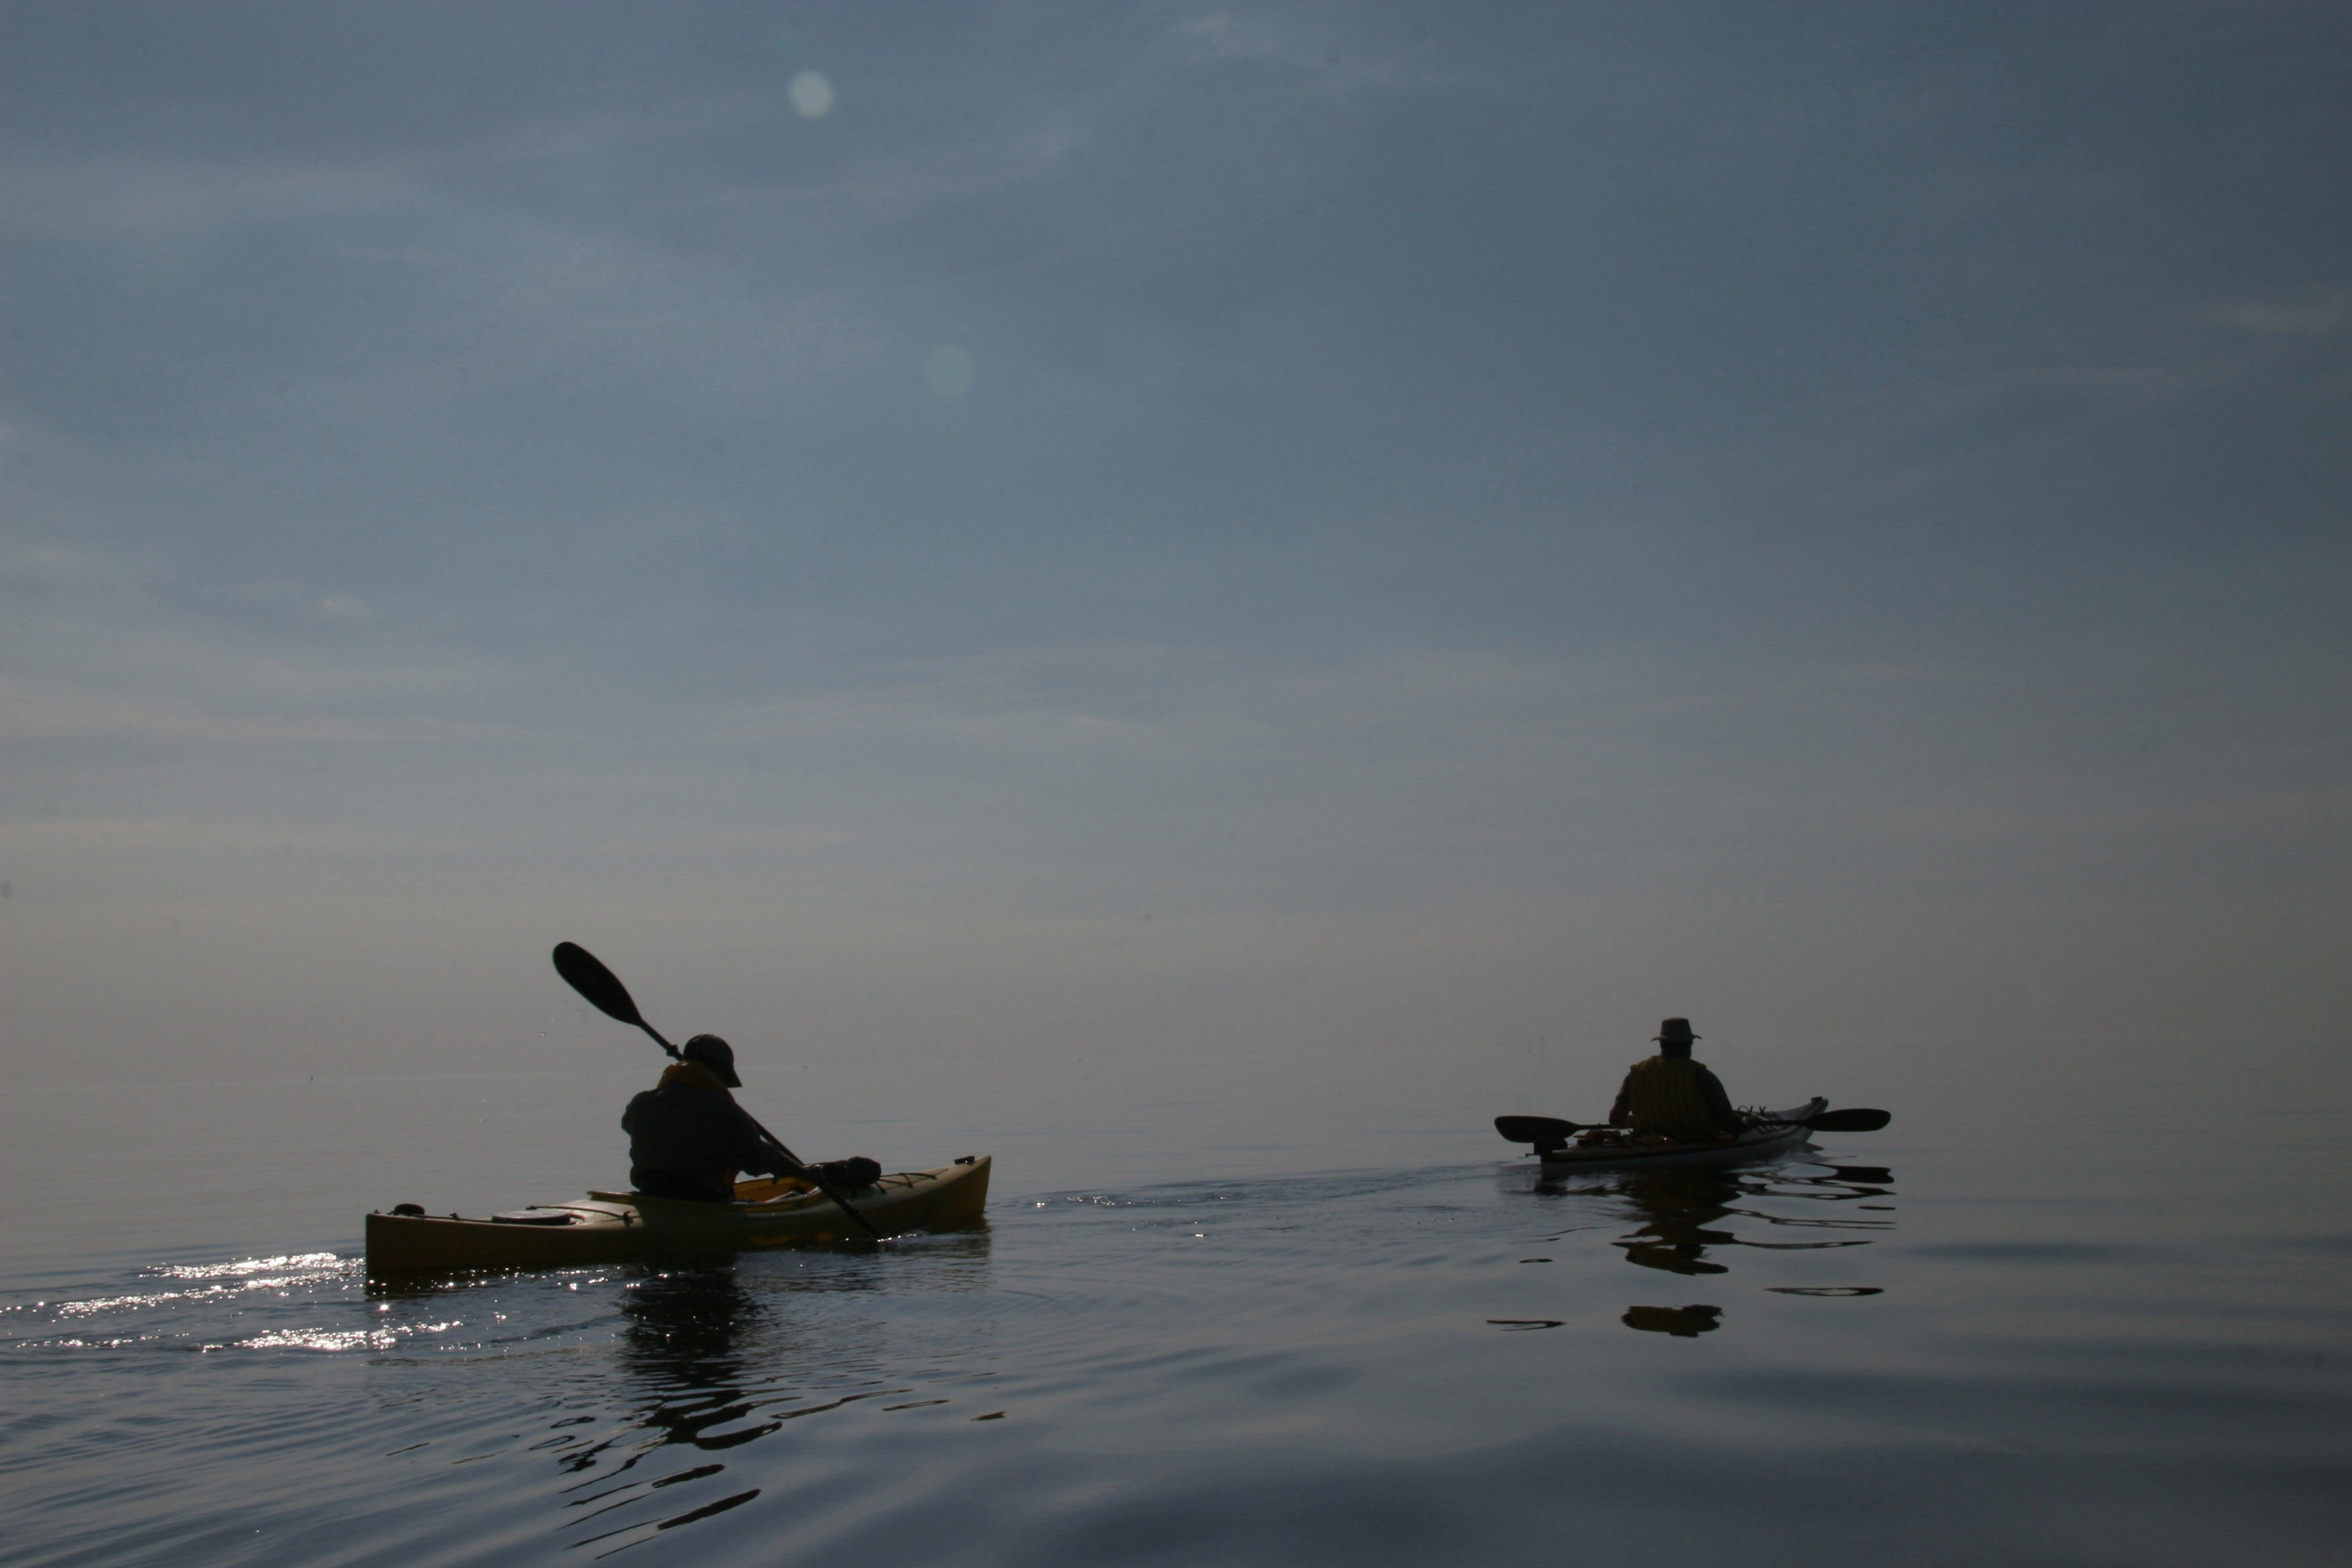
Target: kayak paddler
(1673, 1096)
(688, 1138)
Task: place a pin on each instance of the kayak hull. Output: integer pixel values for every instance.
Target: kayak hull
(1776, 1135)
(606, 1227)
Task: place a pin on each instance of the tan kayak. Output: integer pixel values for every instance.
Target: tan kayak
(605, 1227)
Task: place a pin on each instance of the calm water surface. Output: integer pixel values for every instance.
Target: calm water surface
(1277, 1324)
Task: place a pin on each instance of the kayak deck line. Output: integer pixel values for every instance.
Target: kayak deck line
(782, 1193)
(617, 1226)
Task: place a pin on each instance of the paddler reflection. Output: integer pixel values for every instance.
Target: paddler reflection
(683, 1341)
(725, 1353)
(1677, 1207)
(683, 1326)
(721, 1367)
(1683, 1230)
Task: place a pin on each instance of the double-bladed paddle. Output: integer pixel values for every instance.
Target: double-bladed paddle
(1853, 1120)
(604, 991)
(1552, 1128)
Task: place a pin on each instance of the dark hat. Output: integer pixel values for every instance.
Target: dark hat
(1675, 1029)
(714, 1054)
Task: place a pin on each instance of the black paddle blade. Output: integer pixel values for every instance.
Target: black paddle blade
(1536, 1129)
(1854, 1120)
(600, 986)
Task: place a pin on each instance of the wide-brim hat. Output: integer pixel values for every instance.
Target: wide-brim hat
(1675, 1029)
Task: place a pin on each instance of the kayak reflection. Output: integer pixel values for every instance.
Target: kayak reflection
(1687, 1217)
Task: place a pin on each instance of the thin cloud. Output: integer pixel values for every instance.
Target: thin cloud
(108, 198)
(2316, 317)
(1323, 64)
(37, 710)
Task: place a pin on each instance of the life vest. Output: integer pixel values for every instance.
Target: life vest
(1663, 1097)
(693, 1074)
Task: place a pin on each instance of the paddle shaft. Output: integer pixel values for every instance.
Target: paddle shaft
(585, 973)
(1853, 1119)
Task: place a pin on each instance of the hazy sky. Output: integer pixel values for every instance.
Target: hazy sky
(1031, 529)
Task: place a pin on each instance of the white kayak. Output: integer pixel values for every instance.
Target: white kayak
(1613, 1149)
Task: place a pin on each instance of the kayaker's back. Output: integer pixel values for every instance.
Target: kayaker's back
(1666, 1096)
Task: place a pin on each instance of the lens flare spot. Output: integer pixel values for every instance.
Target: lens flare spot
(950, 371)
(812, 95)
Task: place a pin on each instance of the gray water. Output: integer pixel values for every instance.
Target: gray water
(1219, 1311)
